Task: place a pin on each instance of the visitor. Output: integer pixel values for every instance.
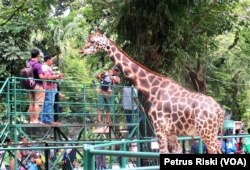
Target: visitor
(131, 105)
(51, 90)
(105, 92)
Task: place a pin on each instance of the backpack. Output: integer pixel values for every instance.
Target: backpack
(27, 73)
(105, 83)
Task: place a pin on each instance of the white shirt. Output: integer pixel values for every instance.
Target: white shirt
(129, 94)
(47, 71)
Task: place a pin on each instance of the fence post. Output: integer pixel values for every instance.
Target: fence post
(123, 159)
(200, 149)
(89, 161)
(46, 153)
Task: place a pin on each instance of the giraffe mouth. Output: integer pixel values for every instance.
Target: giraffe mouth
(87, 50)
(83, 52)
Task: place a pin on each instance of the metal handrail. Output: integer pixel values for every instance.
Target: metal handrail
(4, 84)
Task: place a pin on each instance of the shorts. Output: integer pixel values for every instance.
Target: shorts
(104, 102)
(37, 96)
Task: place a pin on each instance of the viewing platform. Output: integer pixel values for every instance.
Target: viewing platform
(77, 116)
(78, 123)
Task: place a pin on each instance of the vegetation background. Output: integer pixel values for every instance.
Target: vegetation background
(202, 44)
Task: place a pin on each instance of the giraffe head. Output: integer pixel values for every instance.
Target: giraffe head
(96, 42)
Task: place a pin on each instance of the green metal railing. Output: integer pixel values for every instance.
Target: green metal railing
(90, 151)
(80, 102)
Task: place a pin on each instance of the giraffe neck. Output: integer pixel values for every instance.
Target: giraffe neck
(144, 79)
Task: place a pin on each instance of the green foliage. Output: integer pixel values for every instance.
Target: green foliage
(210, 37)
(17, 20)
(10, 60)
(76, 69)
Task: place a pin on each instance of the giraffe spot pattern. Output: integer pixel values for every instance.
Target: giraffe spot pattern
(187, 112)
(142, 74)
(154, 90)
(167, 115)
(182, 100)
(205, 125)
(164, 84)
(179, 125)
(167, 107)
(186, 126)
(205, 114)
(160, 115)
(209, 121)
(127, 72)
(175, 108)
(144, 83)
(156, 82)
(154, 116)
(174, 117)
(174, 100)
(159, 106)
(118, 56)
(180, 113)
(151, 78)
(134, 69)
(181, 107)
(131, 64)
(177, 93)
(113, 49)
(159, 94)
(183, 119)
(125, 64)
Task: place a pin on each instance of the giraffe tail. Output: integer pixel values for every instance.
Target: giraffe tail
(221, 125)
(221, 120)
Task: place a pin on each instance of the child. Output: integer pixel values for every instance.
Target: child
(32, 163)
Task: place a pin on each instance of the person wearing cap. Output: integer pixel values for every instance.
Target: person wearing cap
(105, 95)
(51, 90)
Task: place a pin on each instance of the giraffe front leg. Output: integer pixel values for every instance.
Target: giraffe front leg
(162, 138)
(162, 141)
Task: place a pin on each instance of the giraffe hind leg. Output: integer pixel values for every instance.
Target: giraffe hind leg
(211, 144)
(162, 138)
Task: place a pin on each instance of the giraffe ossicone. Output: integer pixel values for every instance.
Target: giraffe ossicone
(174, 110)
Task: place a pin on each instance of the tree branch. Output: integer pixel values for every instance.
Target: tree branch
(236, 39)
(13, 14)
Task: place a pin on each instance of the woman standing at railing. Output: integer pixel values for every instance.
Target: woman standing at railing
(51, 90)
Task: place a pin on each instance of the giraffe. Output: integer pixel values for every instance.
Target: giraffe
(174, 110)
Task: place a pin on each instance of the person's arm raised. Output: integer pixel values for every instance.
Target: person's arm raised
(51, 77)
